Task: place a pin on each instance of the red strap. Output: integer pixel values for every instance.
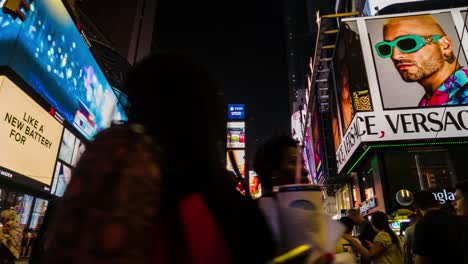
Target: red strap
(204, 238)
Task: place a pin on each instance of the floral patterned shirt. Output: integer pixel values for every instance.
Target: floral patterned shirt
(452, 92)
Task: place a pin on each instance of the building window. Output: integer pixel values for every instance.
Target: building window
(433, 169)
(38, 214)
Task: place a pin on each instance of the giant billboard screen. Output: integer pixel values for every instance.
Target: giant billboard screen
(418, 60)
(235, 135)
(236, 111)
(416, 70)
(29, 136)
(9, 29)
(239, 156)
(298, 119)
(49, 53)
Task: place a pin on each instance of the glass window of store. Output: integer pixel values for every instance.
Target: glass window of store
(356, 191)
(23, 208)
(366, 181)
(38, 213)
(343, 197)
(19, 201)
(368, 185)
(433, 168)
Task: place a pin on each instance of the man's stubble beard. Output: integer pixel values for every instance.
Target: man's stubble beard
(423, 70)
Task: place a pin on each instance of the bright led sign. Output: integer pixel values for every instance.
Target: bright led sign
(49, 53)
(236, 112)
(239, 156)
(29, 137)
(236, 135)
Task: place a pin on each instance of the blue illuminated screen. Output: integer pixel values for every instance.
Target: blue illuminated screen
(236, 112)
(49, 53)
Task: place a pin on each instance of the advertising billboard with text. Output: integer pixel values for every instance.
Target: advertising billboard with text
(29, 136)
(418, 81)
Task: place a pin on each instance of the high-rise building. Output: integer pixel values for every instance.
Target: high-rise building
(129, 32)
(301, 32)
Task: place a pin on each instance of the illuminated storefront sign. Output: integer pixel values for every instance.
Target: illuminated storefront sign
(444, 196)
(409, 124)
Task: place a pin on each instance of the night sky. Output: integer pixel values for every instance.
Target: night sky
(242, 44)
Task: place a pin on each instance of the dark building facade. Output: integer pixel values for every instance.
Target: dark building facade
(301, 31)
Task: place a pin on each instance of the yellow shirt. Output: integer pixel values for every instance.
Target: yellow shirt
(344, 246)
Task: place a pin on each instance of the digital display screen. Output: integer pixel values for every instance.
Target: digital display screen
(236, 112)
(29, 136)
(395, 225)
(62, 177)
(239, 156)
(404, 78)
(67, 146)
(236, 134)
(255, 188)
(49, 53)
(78, 150)
(9, 29)
(400, 77)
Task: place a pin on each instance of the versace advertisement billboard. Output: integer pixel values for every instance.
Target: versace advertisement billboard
(415, 69)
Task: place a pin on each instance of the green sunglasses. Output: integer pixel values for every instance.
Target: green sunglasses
(406, 44)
